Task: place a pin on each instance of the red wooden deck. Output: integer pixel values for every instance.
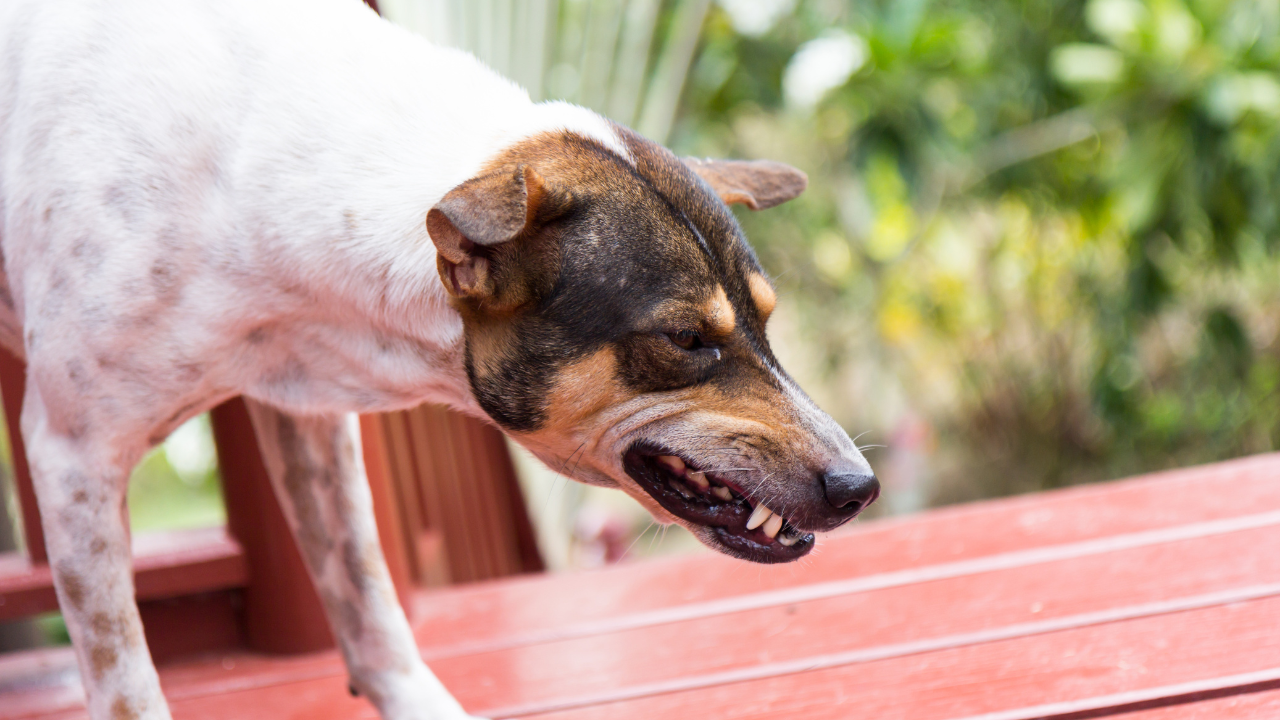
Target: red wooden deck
(1150, 599)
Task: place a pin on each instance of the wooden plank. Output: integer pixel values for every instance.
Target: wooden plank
(1162, 559)
(166, 565)
(987, 678)
(767, 642)
(803, 592)
(1260, 705)
(34, 682)
(391, 534)
(13, 383)
(531, 607)
(432, 503)
(1165, 696)
(867, 627)
(1152, 653)
(183, 562)
(193, 625)
(895, 621)
(399, 453)
(325, 699)
(456, 475)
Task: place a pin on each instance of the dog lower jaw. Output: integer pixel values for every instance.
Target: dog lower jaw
(744, 548)
(729, 525)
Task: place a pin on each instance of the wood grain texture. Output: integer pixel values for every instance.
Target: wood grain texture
(166, 565)
(1263, 705)
(459, 504)
(1150, 599)
(986, 678)
(528, 606)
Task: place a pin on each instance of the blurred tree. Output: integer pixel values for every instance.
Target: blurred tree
(1048, 225)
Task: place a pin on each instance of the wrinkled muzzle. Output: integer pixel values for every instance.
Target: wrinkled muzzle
(755, 485)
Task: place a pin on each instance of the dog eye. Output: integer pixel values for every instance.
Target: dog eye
(686, 339)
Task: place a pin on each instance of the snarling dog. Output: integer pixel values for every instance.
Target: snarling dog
(299, 203)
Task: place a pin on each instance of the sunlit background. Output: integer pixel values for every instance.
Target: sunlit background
(1039, 245)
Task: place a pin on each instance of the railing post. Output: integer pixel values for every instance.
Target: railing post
(385, 506)
(282, 612)
(458, 499)
(13, 385)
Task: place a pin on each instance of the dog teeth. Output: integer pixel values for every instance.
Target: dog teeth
(758, 516)
(789, 538)
(772, 526)
(698, 479)
(672, 463)
(722, 492)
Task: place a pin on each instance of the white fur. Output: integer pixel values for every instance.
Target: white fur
(296, 146)
(204, 198)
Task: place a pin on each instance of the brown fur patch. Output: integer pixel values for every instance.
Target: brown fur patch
(101, 624)
(762, 294)
(72, 587)
(720, 316)
(122, 710)
(303, 477)
(102, 657)
(583, 389)
(757, 409)
(357, 563)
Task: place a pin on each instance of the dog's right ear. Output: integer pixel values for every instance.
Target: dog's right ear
(471, 223)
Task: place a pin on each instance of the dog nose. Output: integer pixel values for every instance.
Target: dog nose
(850, 492)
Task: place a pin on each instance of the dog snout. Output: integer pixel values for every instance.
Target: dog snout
(850, 490)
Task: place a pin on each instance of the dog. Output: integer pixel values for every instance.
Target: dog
(300, 203)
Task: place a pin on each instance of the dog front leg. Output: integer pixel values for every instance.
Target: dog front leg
(315, 466)
(80, 472)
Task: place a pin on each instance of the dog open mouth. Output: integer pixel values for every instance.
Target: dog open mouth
(744, 527)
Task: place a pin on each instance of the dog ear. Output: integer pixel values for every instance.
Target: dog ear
(477, 216)
(758, 184)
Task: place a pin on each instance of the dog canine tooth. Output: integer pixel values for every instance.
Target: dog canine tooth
(758, 516)
(672, 463)
(722, 492)
(772, 526)
(699, 480)
(789, 538)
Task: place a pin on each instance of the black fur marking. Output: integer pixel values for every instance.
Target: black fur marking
(643, 236)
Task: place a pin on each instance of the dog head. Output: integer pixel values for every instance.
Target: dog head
(614, 323)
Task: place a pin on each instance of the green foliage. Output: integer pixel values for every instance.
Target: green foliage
(161, 498)
(177, 484)
(1047, 226)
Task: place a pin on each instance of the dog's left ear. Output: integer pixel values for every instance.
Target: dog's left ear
(758, 184)
(473, 220)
